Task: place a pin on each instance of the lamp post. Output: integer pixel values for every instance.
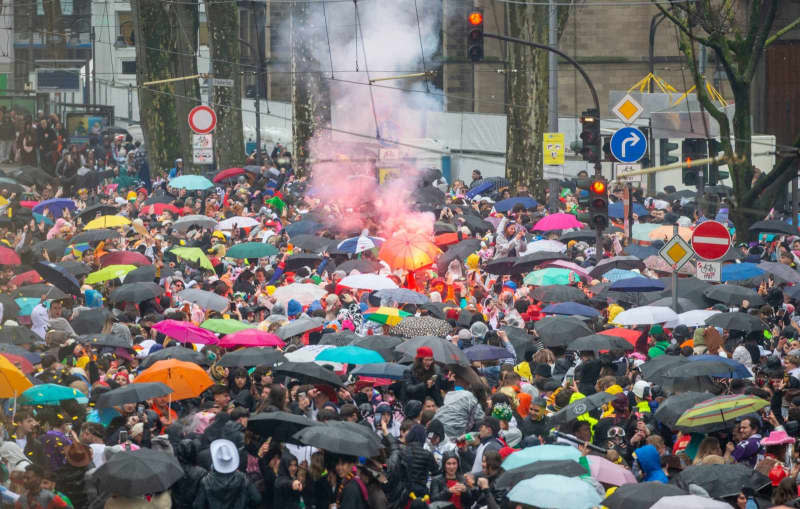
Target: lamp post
(259, 8)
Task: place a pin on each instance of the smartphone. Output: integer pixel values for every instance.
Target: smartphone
(123, 436)
(140, 409)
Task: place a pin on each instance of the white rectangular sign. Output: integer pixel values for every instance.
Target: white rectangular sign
(202, 141)
(622, 168)
(709, 271)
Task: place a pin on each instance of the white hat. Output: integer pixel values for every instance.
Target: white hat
(224, 456)
(639, 387)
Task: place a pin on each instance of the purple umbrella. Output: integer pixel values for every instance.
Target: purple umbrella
(186, 332)
(487, 353)
(56, 206)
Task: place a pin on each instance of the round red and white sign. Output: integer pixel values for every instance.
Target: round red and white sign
(711, 240)
(202, 119)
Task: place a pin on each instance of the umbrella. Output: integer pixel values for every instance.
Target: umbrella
(94, 211)
(136, 473)
(740, 271)
(720, 410)
(505, 205)
(340, 440)
(18, 335)
(175, 352)
(616, 262)
(551, 276)
(368, 282)
(709, 365)
(251, 250)
(308, 372)
(560, 221)
(132, 393)
(143, 274)
(19, 362)
(637, 284)
(304, 293)
(250, 357)
(735, 321)
(458, 251)
(55, 248)
(77, 269)
(511, 478)
(402, 296)
(615, 275)
(136, 292)
(204, 299)
(579, 407)
(408, 251)
(23, 305)
(191, 183)
(607, 472)
(578, 236)
(732, 295)
(556, 492)
(559, 330)
(311, 243)
(643, 494)
(694, 318)
(11, 185)
(617, 210)
(186, 332)
(570, 308)
(558, 293)
(689, 502)
(388, 370)
(548, 249)
(641, 252)
(684, 305)
(11, 307)
(645, 315)
(443, 351)
(194, 221)
(58, 276)
(502, 266)
(32, 357)
(108, 273)
(194, 255)
(107, 222)
(671, 409)
(598, 342)
(228, 173)
(359, 244)
(56, 206)
(306, 227)
(350, 355)
(384, 345)
(124, 258)
(237, 222)
(50, 394)
(721, 481)
(251, 337)
(186, 379)
(773, 226)
(298, 327)
(280, 426)
(8, 256)
(109, 340)
(221, 326)
(38, 290)
(487, 353)
(94, 236)
(385, 315)
(420, 326)
(12, 381)
(159, 208)
(781, 272)
(629, 335)
(159, 198)
(299, 260)
(658, 264)
(90, 321)
(547, 452)
(564, 264)
(442, 227)
(337, 338)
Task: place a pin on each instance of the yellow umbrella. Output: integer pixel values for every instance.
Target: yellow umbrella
(107, 222)
(665, 233)
(108, 273)
(193, 254)
(12, 381)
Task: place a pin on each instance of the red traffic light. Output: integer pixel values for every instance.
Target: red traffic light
(598, 187)
(475, 18)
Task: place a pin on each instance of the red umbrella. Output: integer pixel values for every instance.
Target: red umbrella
(125, 258)
(159, 208)
(251, 337)
(229, 173)
(27, 278)
(29, 204)
(631, 336)
(8, 256)
(447, 239)
(19, 361)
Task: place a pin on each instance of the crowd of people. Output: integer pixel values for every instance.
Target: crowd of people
(185, 343)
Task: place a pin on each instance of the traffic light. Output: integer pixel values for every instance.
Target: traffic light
(590, 135)
(714, 175)
(609, 156)
(693, 149)
(598, 204)
(475, 35)
(665, 148)
(582, 185)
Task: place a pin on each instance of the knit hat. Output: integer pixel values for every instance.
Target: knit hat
(502, 411)
(435, 427)
(656, 330)
(424, 351)
(293, 308)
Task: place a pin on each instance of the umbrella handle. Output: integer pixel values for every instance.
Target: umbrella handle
(14, 410)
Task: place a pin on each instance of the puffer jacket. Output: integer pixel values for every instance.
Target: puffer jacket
(183, 491)
(231, 491)
(417, 464)
(460, 412)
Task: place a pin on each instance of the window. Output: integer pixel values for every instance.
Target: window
(202, 31)
(129, 67)
(125, 28)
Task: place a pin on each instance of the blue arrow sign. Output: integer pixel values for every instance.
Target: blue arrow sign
(628, 145)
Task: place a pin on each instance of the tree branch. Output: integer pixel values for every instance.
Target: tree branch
(768, 180)
(761, 28)
(683, 27)
(780, 33)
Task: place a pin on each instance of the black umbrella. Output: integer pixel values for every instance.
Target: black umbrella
(94, 211)
(299, 326)
(579, 407)
(435, 309)
(204, 299)
(10, 307)
(280, 426)
(297, 261)
(616, 262)
(721, 481)
(132, 393)
(528, 262)
(136, 473)
(180, 353)
(55, 248)
(732, 295)
(308, 372)
(458, 251)
(735, 321)
(773, 226)
(559, 293)
(58, 276)
(442, 227)
(95, 235)
(39, 289)
(302, 227)
(159, 198)
(77, 269)
(362, 265)
(427, 195)
(389, 370)
(31, 175)
(384, 345)
(90, 321)
(579, 235)
(475, 223)
(109, 340)
(502, 266)
(443, 351)
(337, 338)
(17, 335)
(510, 478)
(11, 185)
(487, 353)
(683, 304)
(250, 357)
(136, 292)
(598, 342)
(643, 494)
(338, 441)
(144, 274)
(520, 340)
(560, 330)
(311, 243)
(671, 409)
(654, 370)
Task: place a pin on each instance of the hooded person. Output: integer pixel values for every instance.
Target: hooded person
(225, 486)
(660, 342)
(417, 463)
(450, 485)
(288, 488)
(183, 491)
(650, 464)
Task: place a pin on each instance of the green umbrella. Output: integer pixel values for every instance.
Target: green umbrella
(550, 276)
(193, 254)
(251, 250)
(108, 273)
(51, 394)
(221, 326)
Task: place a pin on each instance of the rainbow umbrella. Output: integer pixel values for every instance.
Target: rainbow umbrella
(385, 315)
(720, 410)
(108, 273)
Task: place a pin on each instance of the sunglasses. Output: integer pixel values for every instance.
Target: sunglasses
(616, 432)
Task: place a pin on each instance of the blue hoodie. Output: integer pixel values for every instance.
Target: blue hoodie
(650, 462)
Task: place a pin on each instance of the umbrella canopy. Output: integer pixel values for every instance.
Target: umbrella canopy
(546, 248)
(186, 332)
(564, 264)
(251, 337)
(501, 266)
(384, 345)
(204, 299)
(299, 260)
(709, 365)
(551, 276)
(556, 492)
(368, 282)
(579, 407)
(732, 295)
(221, 326)
(143, 274)
(191, 183)
(18, 335)
(29, 277)
(343, 338)
(720, 410)
(773, 226)
(194, 255)
(175, 352)
(350, 355)
(56, 206)
(304, 227)
(311, 243)
(558, 221)
(615, 275)
(308, 372)
(689, 502)
(547, 452)
(735, 321)
(570, 308)
(250, 357)
(95, 236)
(110, 340)
(617, 210)
(629, 335)
(194, 221)
(402, 296)
(359, 244)
(304, 293)
(645, 315)
(643, 494)
(641, 252)
(385, 315)
(637, 284)
(721, 481)
(251, 250)
(338, 440)
(50, 394)
(607, 472)
(13, 308)
(107, 222)
(408, 251)
(579, 236)
(139, 472)
(8, 256)
(12, 380)
(37, 290)
(132, 393)
(235, 222)
(671, 409)
(525, 201)
(228, 173)
(412, 326)
(781, 271)
(388, 370)
(559, 330)
(136, 292)
(186, 379)
(558, 293)
(58, 276)
(740, 271)
(666, 232)
(280, 426)
(108, 273)
(94, 211)
(298, 327)
(684, 305)
(90, 321)
(55, 248)
(443, 351)
(616, 262)
(511, 478)
(487, 353)
(599, 342)
(125, 258)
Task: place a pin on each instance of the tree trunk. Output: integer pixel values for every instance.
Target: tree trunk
(185, 18)
(156, 102)
(223, 45)
(527, 91)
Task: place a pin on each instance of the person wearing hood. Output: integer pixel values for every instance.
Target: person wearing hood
(660, 342)
(183, 491)
(177, 170)
(416, 463)
(288, 488)
(650, 463)
(224, 486)
(451, 486)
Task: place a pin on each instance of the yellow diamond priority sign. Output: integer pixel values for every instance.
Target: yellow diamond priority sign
(628, 109)
(676, 252)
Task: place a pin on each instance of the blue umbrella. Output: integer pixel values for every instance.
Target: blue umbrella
(547, 452)
(56, 206)
(637, 284)
(191, 183)
(26, 305)
(359, 244)
(505, 205)
(570, 308)
(740, 271)
(615, 275)
(402, 296)
(720, 367)
(483, 186)
(617, 210)
(640, 252)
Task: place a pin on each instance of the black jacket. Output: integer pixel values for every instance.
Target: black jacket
(530, 427)
(71, 481)
(419, 390)
(284, 497)
(228, 491)
(439, 489)
(352, 496)
(417, 464)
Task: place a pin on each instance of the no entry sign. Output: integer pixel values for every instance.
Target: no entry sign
(202, 119)
(711, 240)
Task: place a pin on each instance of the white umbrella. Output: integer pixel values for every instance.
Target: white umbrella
(368, 282)
(689, 502)
(694, 318)
(545, 245)
(309, 353)
(645, 315)
(237, 222)
(304, 293)
(183, 224)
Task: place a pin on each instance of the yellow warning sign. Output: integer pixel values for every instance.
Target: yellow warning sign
(553, 149)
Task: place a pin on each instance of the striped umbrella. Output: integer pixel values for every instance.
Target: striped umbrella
(720, 410)
(385, 315)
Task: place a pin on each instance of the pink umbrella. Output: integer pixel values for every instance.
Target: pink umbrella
(186, 332)
(609, 473)
(251, 337)
(560, 221)
(563, 264)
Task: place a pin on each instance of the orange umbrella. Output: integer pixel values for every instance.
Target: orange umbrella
(186, 379)
(12, 381)
(447, 239)
(409, 251)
